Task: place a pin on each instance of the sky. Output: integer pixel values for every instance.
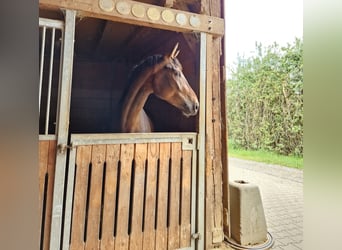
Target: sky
(265, 21)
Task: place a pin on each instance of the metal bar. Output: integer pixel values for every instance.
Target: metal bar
(47, 118)
(41, 65)
(188, 139)
(51, 23)
(47, 137)
(201, 141)
(68, 200)
(62, 128)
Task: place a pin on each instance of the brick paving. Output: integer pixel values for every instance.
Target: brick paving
(281, 191)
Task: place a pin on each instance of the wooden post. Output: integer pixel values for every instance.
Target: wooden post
(62, 128)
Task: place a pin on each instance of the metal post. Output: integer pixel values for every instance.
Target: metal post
(62, 128)
(201, 141)
(41, 65)
(47, 118)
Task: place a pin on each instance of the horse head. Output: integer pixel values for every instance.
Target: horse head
(170, 85)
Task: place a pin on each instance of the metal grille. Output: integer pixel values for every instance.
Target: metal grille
(50, 44)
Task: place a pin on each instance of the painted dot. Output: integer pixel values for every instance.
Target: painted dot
(106, 5)
(138, 10)
(181, 19)
(123, 8)
(168, 16)
(153, 14)
(195, 21)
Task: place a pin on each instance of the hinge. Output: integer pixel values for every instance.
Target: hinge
(63, 147)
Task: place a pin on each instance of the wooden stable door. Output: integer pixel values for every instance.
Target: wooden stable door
(128, 191)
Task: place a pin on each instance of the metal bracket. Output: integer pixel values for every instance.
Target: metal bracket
(63, 147)
(196, 236)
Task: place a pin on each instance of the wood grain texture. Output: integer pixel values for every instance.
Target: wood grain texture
(151, 196)
(112, 162)
(174, 205)
(136, 236)
(83, 159)
(126, 158)
(47, 159)
(98, 157)
(162, 200)
(208, 24)
(185, 220)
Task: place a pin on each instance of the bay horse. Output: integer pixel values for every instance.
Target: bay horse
(162, 76)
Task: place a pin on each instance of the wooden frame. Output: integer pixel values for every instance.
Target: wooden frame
(138, 13)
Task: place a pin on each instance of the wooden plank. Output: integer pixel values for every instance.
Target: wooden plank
(83, 158)
(136, 236)
(185, 230)
(209, 152)
(112, 161)
(126, 158)
(151, 195)
(174, 206)
(162, 197)
(209, 24)
(217, 137)
(51, 177)
(94, 212)
(43, 163)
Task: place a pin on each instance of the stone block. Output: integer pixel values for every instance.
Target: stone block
(248, 223)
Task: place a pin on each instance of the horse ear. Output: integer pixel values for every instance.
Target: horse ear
(174, 52)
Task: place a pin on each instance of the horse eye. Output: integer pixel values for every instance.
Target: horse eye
(177, 73)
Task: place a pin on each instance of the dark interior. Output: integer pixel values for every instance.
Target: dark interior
(104, 54)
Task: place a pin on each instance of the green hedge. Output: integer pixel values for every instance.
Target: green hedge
(265, 100)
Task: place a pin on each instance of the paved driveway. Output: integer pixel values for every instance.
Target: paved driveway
(282, 196)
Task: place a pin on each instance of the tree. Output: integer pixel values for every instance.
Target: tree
(265, 100)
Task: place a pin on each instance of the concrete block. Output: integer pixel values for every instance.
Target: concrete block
(248, 223)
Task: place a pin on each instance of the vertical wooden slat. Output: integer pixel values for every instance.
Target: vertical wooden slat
(185, 232)
(126, 158)
(174, 206)
(209, 150)
(112, 161)
(162, 198)
(217, 136)
(43, 163)
(51, 176)
(83, 158)
(93, 222)
(151, 194)
(138, 197)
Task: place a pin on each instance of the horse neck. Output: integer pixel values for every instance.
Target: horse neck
(134, 103)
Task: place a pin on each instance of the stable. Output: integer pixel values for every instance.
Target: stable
(104, 189)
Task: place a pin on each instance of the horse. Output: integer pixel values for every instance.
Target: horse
(162, 76)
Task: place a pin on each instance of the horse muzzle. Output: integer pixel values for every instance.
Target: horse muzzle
(190, 109)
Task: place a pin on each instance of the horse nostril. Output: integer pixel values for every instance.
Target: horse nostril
(196, 106)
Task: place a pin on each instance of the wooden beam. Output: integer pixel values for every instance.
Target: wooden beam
(142, 14)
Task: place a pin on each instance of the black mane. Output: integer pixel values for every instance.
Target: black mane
(137, 70)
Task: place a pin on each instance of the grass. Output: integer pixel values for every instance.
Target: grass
(267, 157)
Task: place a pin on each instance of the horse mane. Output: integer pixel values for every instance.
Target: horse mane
(137, 70)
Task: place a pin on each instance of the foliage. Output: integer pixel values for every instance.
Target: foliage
(265, 100)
